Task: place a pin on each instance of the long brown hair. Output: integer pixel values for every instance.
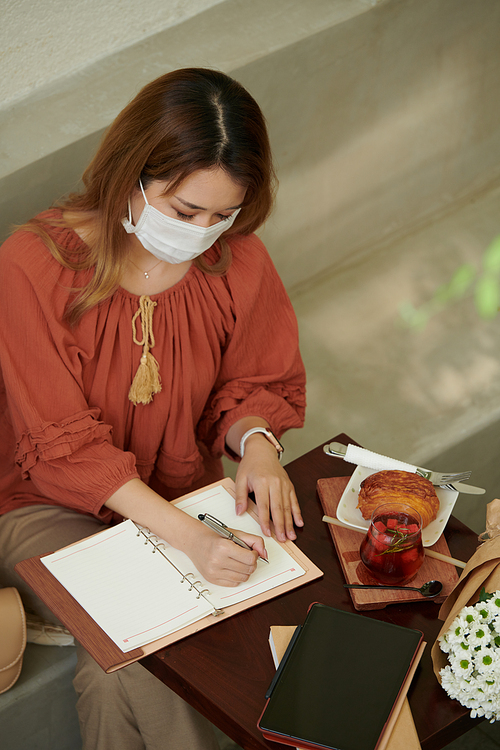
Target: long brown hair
(184, 121)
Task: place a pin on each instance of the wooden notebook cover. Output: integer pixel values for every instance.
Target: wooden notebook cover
(94, 639)
(347, 542)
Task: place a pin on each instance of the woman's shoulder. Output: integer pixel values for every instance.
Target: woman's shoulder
(251, 278)
(248, 246)
(28, 247)
(250, 259)
(252, 265)
(28, 263)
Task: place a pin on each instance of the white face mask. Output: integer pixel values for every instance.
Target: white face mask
(173, 240)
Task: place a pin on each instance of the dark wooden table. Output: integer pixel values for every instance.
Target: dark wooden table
(224, 671)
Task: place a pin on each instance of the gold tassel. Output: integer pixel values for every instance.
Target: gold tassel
(147, 378)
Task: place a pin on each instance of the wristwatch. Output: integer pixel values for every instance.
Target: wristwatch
(269, 435)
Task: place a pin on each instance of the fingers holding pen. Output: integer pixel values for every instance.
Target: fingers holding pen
(231, 556)
(228, 564)
(256, 543)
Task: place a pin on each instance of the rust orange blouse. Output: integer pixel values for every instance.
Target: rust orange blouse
(227, 347)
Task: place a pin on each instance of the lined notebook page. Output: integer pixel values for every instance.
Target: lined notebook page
(134, 595)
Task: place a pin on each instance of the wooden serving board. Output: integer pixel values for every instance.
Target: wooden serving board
(347, 542)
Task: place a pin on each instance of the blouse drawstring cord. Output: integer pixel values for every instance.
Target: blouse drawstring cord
(147, 378)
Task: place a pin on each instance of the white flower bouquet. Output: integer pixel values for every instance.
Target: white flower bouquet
(472, 646)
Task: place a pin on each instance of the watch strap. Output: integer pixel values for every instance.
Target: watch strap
(268, 434)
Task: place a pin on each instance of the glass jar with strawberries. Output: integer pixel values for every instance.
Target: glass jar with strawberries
(392, 550)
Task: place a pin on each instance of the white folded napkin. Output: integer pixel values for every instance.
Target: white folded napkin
(356, 455)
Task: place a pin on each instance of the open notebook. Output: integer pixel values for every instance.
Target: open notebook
(137, 593)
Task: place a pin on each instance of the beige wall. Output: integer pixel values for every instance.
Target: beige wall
(379, 124)
(381, 114)
(49, 39)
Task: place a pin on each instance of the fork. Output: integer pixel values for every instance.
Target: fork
(355, 455)
(443, 480)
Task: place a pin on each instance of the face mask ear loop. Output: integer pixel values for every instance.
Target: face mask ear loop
(143, 193)
(128, 202)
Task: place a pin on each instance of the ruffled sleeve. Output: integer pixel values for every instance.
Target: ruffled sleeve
(261, 373)
(62, 446)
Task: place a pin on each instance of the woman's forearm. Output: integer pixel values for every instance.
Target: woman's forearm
(139, 502)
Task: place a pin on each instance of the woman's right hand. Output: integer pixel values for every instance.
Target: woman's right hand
(223, 562)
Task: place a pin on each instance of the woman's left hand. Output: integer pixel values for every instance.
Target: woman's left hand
(260, 472)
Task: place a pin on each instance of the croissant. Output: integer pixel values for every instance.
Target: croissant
(398, 486)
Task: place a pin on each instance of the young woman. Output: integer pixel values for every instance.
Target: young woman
(145, 332)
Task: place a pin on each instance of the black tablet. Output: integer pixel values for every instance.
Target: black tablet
(340, 681)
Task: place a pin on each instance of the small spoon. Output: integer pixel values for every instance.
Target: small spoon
(429, 589)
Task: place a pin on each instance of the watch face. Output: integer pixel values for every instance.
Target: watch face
(274, 440)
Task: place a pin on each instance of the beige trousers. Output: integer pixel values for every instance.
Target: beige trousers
(129, 709)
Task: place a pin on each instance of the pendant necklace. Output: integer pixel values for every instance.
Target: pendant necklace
(146, 273)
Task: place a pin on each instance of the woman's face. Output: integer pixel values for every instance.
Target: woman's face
(206, 197)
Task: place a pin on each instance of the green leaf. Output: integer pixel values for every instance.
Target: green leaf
(484, 596)
(491, 257)
(413, 317)
(458, 285)
(487, 296)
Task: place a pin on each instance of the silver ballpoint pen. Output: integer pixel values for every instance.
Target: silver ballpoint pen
(221, 529)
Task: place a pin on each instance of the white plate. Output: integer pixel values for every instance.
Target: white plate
(348, 513)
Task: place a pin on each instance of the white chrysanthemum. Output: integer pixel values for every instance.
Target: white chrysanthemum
(449, 682)
(470, 615)
(486, 612)
(490, 689)
(461, 650)
(479, 636)
(494, 626)
(457, 631)
(486, 661)
(461, 630)
(472, 645)
(461, 666)
(493, 604)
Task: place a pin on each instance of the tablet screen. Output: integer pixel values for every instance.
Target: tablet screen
(341, 680)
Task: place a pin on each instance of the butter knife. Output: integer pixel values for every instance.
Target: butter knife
(376, 461)
(467, 489)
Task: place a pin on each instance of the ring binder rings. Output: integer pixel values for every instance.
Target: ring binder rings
(159, 546)
(130, 567)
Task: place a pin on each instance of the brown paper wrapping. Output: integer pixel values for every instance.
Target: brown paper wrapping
(482, 570)
(493, 518)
